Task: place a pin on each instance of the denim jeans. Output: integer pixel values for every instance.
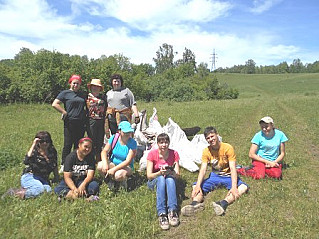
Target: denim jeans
(166, 198)
(34, 185)
(92, 188)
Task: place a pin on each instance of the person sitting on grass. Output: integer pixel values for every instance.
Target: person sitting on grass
(162, 170)
(266, 151)
(222, 158)
(117, 162)
(79, 168)
(40, 161)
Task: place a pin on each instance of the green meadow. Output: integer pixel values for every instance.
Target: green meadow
(272, 209)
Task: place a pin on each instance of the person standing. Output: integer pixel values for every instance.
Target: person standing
(121, 105)
(96, 104)
(74, 114)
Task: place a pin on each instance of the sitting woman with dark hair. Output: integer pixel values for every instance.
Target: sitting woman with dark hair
(40, 161)
(162, 171)
(79, 168)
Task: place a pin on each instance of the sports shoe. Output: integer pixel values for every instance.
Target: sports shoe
(93, 198)
(191, 209)
(163, 221)
(173, 218)
(219, 210)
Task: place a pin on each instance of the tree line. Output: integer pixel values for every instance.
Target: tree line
(40, 76)
(250, 68)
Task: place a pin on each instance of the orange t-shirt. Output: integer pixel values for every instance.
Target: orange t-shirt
(219, 159)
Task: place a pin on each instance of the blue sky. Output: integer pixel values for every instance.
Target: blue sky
(267, 31)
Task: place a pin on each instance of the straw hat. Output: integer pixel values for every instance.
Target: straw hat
(96, 82)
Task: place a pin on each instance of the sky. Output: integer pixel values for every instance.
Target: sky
(266, 31)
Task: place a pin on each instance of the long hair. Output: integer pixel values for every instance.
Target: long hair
(45, 136)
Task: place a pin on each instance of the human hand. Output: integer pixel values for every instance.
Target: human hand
(111, 172)
(63, 116)
(272, 165)
(105, 167)
(137, 120)
(196, 190)
(234, 192)
(81, 190)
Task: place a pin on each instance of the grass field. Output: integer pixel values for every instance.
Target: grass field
(272, 209)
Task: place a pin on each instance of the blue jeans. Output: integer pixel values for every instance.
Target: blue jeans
(165, 191)
(34, 185)
(92, 188)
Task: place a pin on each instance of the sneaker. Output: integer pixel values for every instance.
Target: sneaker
(173, 218)
(93, 198)
(190, 210)
(219, 210)
(107, 178)
(163, 221)
(11, 192)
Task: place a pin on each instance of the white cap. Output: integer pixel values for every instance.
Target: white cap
(267, 120)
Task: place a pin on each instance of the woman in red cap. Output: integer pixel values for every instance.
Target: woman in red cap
(74, 114)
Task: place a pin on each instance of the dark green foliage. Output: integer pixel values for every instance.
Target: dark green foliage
(39, 77)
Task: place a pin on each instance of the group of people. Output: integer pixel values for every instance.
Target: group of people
(99, 114)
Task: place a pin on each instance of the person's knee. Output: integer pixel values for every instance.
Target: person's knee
(93, 188)
(120, 175)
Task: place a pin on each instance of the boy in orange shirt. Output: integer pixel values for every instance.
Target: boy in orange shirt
(222, 158)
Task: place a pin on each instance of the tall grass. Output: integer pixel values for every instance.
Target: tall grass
(271, 209)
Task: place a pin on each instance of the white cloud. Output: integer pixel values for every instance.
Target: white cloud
(36, 25)
(261, 6)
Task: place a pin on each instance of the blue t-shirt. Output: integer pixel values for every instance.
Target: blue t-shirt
(269, 148)
(120, 152)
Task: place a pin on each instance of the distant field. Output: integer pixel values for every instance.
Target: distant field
(272, 209)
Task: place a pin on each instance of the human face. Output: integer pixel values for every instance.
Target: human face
(95, 89)
(116, 83)
(75, 85)
(85, 147)
(212, 139)
(267, 129)
(163, 145)
(126, 135)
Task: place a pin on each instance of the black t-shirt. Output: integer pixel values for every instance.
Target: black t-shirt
(39, 166)
(74, 104)
(78, 168)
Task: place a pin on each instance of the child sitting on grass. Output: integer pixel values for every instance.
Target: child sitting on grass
(162, 171)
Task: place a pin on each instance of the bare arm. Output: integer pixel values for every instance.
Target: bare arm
(252, 154)
(233, 175)
(34, 143)
(149, 171)
(104, 157)
(68, 180)
(57, 105)
(282, 153)
(86, 181)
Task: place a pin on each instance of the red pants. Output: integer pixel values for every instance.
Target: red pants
(259, 170)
